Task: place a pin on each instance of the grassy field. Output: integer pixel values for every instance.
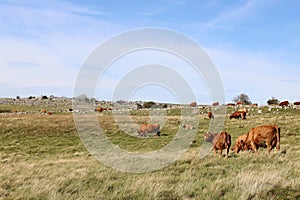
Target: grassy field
(42, 157)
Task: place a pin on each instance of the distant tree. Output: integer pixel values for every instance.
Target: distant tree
(242, 98)
(44, 97)
(149, 104)
(273, 101)
(82, 97)
(18, 97)
(121, 102)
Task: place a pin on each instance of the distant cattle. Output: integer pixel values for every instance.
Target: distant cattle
(43, 111)
(230, 104)
(215, 104)
(49, 113)
(193, 104)
(267, 136)
(284, 103)
(188, 127)
(219, 141)
(100, 109)
(297, 103)
(210, 115)
(254, 105)
(239, 103)
(145, 129)
(238, 114)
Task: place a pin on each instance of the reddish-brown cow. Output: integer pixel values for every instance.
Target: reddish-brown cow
(238, 114)
(219, 141)
(284, 103)
(240, 145)
(297, 103)
(148, 128)
(263, 136)
(210, 115)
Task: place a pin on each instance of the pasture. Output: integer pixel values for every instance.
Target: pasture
(42, 157)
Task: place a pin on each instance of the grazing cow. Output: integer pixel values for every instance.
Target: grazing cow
(210, 115)
(148, 128)
(43, 111)
(263, 136)
(99, 109)
(240, 145)
(219, 141)
(284, 103)
(238, 114)
(49, 113)
(188, 127)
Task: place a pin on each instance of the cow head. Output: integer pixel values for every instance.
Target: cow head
(208, 137)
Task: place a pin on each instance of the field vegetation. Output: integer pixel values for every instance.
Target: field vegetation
(42, 157)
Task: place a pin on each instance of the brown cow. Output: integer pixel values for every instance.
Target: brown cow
(43, 111)
(284, 103)
(240, 145)
(148, 128)
(263, 136)
(210, 115)
(219, 141)
(239, 103)
(238, 114)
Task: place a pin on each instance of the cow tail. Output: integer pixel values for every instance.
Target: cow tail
(278, 138)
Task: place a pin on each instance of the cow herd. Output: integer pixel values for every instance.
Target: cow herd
(265, 136)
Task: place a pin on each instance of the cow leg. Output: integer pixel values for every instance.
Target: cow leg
(269, 147)
(227, 152)
(215, 151)
(254, 147)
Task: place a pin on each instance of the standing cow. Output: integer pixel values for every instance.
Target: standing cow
(210, 115)
(238, 114)
(219, 141)
(263, 136)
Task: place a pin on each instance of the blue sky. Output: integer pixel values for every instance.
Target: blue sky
(255, 45)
